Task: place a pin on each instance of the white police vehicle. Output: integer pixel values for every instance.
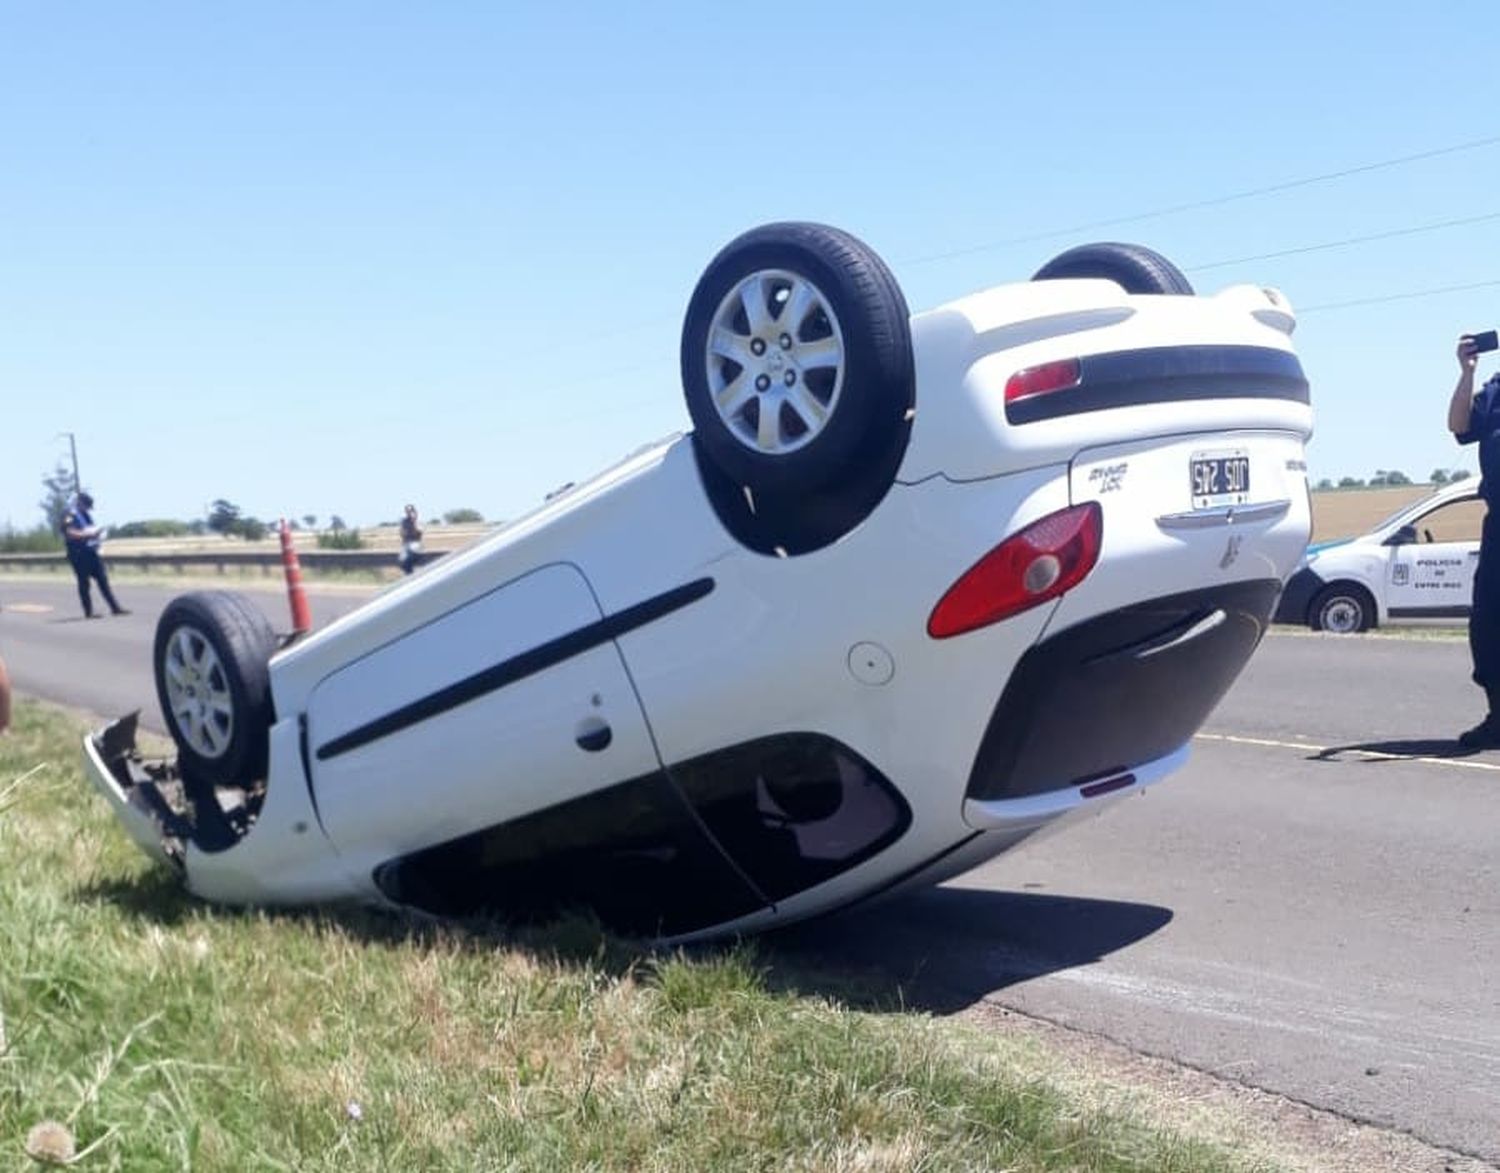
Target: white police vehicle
(1419, 563)
(913, 588)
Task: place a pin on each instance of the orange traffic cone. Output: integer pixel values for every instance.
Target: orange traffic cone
(296, 595)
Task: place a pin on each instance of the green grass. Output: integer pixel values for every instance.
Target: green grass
(169, 1034)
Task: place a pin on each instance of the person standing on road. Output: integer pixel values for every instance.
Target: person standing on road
(411, 540)
(83, 538)
(1475, 419)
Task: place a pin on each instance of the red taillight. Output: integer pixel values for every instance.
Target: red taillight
(1043, 561)
(1043, 380)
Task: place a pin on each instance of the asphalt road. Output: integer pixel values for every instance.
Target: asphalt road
(1311, 907)
(104, 664)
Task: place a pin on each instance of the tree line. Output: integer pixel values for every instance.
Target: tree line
(1389, 478)
(223, 517)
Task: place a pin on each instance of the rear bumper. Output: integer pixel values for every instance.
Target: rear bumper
(1117, 692)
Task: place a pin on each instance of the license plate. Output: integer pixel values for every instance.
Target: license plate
(1219, 478)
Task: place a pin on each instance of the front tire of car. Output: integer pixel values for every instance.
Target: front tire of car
(1133, 267)
(212, 665)
(797, 372)
(1343, 608)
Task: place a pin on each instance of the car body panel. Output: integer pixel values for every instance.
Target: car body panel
(531, 753)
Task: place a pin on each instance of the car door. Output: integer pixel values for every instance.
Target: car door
(1432, 563)
(514, 702)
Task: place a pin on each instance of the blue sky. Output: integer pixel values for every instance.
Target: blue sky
(328, 258)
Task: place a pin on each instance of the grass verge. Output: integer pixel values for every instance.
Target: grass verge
(162, 1033)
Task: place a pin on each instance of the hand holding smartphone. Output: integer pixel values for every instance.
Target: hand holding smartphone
(1489, 340)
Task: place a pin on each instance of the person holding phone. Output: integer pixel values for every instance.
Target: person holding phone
(82, 538)
(411, 540)
(1474, 418)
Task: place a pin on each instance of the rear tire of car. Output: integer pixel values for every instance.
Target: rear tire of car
(1342, 608)
(211, 660)
(799, 425)
(1133, 267)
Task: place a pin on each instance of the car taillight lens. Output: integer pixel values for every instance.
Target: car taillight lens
(1043, 380)
(1044, 560)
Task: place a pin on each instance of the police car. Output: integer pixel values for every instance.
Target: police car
(913, 588)
(1417, 564)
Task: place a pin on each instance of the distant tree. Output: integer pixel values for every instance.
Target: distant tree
(1351, 483)
(310, 520)
(161, 527)
(336, 524)
(1394, 477)
(1325, 484)
(1439, 476)
(223, 517)
(197, 527)
(59, 496)
(293, 524)
(463, 517)
(341, 539)
(252, 529)
(1459, 474)
(40, 540)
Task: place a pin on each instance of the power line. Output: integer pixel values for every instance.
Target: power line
(1349, 240)
(1416, 293)
(1212, 202)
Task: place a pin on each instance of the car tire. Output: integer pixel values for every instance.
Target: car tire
(1342, 608)
(1135, 268)
(791, 409)
(212, 665)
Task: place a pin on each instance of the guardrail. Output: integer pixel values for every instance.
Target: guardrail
(268, 561)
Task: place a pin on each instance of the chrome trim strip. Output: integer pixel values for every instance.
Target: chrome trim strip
(1225, 515)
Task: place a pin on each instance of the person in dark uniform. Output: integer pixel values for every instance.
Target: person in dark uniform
(1475, 419)
(83, 538)
(411, 540)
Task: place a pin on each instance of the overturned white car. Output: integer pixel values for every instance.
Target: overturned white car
(913, 588)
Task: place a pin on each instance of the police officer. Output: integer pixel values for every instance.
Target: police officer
(83, 537)
(1475, 419)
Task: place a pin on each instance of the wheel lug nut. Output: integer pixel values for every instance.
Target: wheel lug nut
(757, 346)
(762, 382)
(786, 342)
(791, 377)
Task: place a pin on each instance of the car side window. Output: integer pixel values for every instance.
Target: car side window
(1457, 521)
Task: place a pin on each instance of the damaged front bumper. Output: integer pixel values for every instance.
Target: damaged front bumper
(138, 791)
(150, 798)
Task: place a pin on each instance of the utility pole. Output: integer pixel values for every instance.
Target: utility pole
(73, 448)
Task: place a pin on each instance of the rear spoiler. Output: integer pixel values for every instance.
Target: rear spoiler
(1167, 374)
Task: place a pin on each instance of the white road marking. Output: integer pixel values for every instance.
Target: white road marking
(1369, 755)
(28, 608)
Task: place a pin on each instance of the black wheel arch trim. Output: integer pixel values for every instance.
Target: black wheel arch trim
(1295, 605)
(518, 667)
